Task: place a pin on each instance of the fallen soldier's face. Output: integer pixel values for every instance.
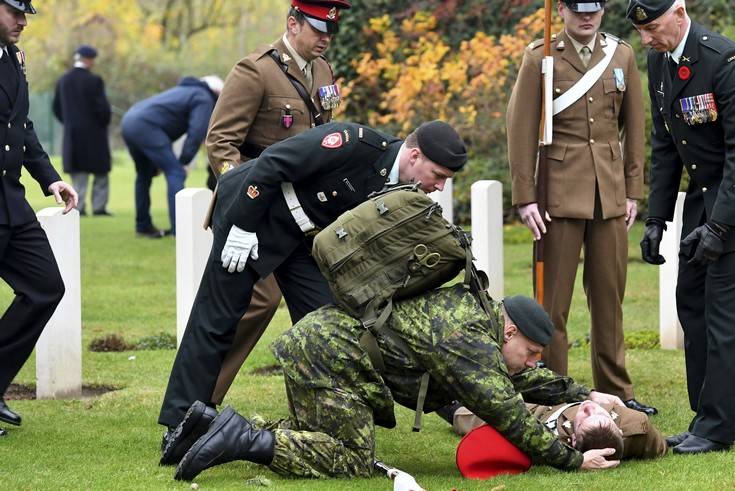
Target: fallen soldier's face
(591, 414)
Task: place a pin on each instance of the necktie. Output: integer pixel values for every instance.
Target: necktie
(308, 75)
(585, 54)
(672, 67)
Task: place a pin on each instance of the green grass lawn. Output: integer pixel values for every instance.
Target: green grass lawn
(112, 441)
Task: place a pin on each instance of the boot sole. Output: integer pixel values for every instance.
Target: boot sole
(221, 420)
(187, 425)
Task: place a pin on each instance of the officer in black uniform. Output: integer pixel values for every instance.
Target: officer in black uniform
(692, 87)
(27, 263)
(266, 209)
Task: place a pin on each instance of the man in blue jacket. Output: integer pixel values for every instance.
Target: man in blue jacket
(151, 126)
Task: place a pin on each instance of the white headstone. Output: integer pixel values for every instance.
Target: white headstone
(445, 200)
(193, 244)
(487, 232)
(59, 349)
(670, 332)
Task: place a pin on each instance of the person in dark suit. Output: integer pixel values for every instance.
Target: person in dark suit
(266, 210)
(149, 129)
(691, 82)
(27, 263)
(81, 105)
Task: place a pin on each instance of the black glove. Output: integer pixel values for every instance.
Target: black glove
(652, 240)
(709, 240)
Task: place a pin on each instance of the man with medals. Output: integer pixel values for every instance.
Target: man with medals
(694, 128)
(595, 177)
(278, 91)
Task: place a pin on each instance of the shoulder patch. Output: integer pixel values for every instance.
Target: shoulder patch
(536, 44)
(732, 58)
(332, 140)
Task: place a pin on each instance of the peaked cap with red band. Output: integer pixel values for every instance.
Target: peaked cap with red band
(484, 453)
(323, 15)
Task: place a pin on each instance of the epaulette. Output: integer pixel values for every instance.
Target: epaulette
(613, 37)
(716, 42)
(535, 44)
(371, 137)
(262, 51)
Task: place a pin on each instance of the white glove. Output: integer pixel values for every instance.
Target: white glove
(239, 245)
(404, 482)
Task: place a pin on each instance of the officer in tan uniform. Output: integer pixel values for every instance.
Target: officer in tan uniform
(595, 177)
(641, 440)
(276, 92)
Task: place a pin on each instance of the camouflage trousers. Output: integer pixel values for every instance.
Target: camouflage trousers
(330, 433)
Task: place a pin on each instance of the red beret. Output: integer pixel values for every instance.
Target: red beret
(323, 15)
(484, 453)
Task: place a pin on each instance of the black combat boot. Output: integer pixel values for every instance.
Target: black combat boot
(230, 437)
(177, 441)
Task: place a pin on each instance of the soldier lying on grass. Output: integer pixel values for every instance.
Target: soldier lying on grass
(336, 396)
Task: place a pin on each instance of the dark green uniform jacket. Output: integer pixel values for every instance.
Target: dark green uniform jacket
(452, 339)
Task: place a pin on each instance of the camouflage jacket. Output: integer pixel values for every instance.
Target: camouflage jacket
(452, 339)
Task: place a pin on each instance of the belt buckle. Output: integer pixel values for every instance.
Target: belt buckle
(312, 232)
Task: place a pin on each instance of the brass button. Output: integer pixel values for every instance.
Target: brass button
(4, 172)
(24, 149)
(383, 172)
(694, 166)
(334, 194)
(24, 125)
(10, 125)
(683, 142)
(384, 144)
(557, 90)
(704, 38)
(704, 189)
(313, 125)
(592, 140)
(7, 148)
(591, 99)
(592, 120)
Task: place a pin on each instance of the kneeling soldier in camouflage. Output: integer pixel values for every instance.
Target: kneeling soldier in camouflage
(336, 396)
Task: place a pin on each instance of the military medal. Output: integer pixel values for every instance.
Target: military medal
(699, 109)
(287, 118)
(619, 77)
(253, 192)
(329, 96)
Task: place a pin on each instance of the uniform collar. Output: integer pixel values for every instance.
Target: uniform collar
(301, 62)
(676, 54)
(80, 64)
(578, 46)
(395, 170)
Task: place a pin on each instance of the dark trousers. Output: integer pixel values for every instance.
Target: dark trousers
(705, 300)
(149, 159)
(28, 265)
(220, 303)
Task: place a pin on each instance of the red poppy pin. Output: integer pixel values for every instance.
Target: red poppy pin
(253, 192)
(332, 140)
(684, 72)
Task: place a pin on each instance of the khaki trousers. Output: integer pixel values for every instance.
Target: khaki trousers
(605, 267)
(263, 306)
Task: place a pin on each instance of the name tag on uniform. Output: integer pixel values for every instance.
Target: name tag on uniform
(619, 77)
(699, 109)
(329, 96)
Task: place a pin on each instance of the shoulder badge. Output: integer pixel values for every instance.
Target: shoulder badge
(535, 44)
(332, 140)
(253, 192)
(731, 59)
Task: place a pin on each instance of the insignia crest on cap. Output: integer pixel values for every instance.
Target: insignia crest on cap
(640, 14)
(332, 14)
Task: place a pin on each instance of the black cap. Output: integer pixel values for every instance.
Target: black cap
(442, 144)
(86, 51)
(530, 318)
(648, 10)
(584, 6)
(22, 5)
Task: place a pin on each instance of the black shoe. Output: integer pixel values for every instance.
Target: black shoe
(7, 415)
(447, 412)
(697, 444)
(195, 423)
(633, 404)
(151, 233)
(230, 437)
(3, 432)
(102, 213)
(675, 440)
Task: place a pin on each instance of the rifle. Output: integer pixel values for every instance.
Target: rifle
(402, 481)
(545, 137)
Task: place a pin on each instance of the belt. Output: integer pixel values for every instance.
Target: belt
(297, 211)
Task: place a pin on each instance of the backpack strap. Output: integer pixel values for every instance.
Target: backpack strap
(303, 93)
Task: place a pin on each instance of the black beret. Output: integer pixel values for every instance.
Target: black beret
(442, 144)
(530, 318)
(86, 51)
(584, 5)
(643, 12)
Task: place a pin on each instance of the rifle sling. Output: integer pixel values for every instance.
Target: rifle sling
(303, 93)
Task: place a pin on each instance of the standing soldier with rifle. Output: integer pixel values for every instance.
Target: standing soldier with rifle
(589, 176)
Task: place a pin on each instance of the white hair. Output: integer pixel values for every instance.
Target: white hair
(676, 5)
(214, 83)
